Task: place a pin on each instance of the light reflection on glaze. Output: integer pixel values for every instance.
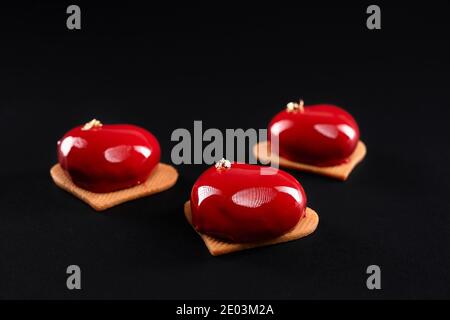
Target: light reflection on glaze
(327, 130)
(293, 192)
(69, 142)
(254, 197)
(205, 192)
(118, 154)
(281, 126)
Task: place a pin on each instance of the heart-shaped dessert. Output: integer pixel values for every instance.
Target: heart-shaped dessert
(320, 138)
(242, 203)
(320, 135)
(105, 165)
(106, 158)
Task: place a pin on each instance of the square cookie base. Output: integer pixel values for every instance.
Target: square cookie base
(162, 178)
(341, 172)
(216, 247)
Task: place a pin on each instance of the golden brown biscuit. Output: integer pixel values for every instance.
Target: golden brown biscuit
(262, 152)
(162, 178)
(216, 247)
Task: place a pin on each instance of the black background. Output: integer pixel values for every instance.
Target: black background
(231, 67)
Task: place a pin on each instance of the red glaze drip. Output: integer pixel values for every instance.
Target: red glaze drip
(321, 135)
(246, 203)
(108, 158)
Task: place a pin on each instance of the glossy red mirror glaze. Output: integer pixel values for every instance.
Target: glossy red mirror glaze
(242, 204)
(108, 158)
(321, 135)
